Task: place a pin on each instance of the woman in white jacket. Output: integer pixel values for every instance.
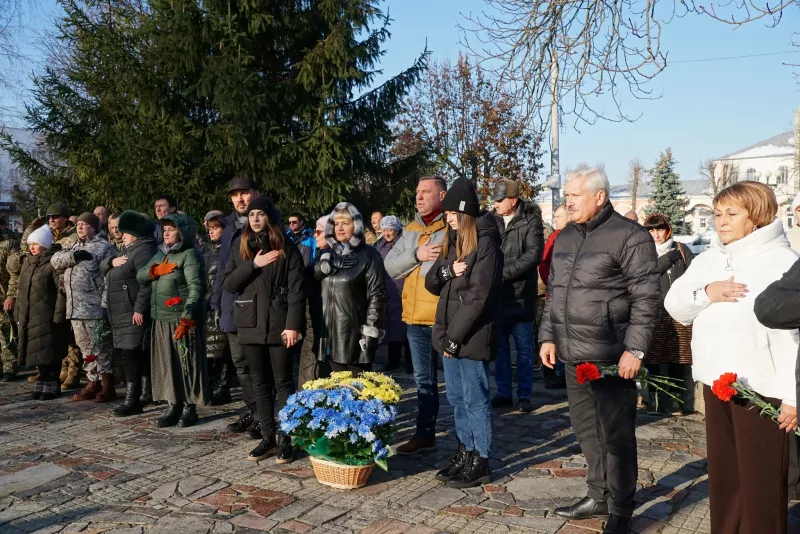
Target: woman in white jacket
(748, 455)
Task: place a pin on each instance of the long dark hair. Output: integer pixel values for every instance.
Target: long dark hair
(275, 239)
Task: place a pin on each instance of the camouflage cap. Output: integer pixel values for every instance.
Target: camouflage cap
(58, 210)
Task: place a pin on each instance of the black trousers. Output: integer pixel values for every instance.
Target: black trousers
(243, 372)
(603, 415)
(49, 373)
(271, 371)
(133, 363)
(356, 369)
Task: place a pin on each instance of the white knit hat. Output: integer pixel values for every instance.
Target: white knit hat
(41, 236)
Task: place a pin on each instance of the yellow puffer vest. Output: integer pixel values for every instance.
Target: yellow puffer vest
(419, 305)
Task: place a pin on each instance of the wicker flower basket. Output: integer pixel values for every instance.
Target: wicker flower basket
(341, 476)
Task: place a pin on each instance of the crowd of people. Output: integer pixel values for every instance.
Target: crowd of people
(185, 318)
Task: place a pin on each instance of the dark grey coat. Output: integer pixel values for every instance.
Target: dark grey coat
(604, 291)
(124, 295)
(41, 340)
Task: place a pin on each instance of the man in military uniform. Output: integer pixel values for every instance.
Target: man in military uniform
(8, 245)
(114, 235)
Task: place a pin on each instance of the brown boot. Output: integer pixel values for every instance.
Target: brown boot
(33, 378)
(64, 370)
(107, 393)
(87, 393)
(71, 381)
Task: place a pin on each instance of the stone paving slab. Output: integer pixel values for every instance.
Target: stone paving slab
(73, 467)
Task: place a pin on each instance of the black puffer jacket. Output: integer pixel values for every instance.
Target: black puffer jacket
(41, 340)
(604, 293)
(523, 245)
(269, 300)
(216, 341)
(124, 295)
(470, 304)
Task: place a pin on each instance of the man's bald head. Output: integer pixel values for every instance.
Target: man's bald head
(632, 216)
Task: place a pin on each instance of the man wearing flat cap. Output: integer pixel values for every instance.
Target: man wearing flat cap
(84, 288)
(522, 231)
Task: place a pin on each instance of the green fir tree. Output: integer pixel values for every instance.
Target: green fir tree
(668, 193)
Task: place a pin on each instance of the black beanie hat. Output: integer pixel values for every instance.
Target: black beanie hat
(461, 197)
(134, 223)
(90, 219)
(264, 204)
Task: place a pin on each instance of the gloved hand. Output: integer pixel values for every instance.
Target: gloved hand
(185, 326)
(339, 262)
(446, 272)
(160, 269)
(82, 255)
(451, 348)
(368, 344)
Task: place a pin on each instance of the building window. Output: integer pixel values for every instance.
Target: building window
(702, 223)
(782, 177)
(734, 175)
(789, 217)
(751, 174)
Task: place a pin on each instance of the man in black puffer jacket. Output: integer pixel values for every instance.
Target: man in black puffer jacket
(522, 231)
(603, 304)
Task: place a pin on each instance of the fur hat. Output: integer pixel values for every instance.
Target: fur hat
(41, 236)
(390, 222)
(90, 219)
(358, 232)
(135, 224)
(462, 198)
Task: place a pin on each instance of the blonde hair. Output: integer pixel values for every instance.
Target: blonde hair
(466, 237)
(754, 197)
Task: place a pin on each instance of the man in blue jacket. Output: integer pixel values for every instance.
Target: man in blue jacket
(241, 190)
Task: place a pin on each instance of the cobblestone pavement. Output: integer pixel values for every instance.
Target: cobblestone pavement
(73, 467)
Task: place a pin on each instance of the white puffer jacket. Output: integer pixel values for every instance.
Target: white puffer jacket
(726, 336)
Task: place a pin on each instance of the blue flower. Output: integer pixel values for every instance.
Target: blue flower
(378, 444)
(288, 426)
(382, 453)
(337, 425)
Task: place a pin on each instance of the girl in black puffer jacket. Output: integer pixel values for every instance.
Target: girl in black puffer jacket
(42, 340)
(468, 277)
(220, 366)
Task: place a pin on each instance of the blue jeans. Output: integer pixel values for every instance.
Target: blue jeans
(426, 377)
(468, 392)
(524, 341)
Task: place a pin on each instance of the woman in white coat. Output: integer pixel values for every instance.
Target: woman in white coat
(748, 455)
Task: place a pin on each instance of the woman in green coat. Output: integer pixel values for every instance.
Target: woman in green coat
(177, 355)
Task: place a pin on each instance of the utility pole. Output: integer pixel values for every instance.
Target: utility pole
(554, 182)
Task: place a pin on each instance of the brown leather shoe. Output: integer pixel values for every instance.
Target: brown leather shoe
(107, 393)
(416, 445)
(64, 370)
(88, 393)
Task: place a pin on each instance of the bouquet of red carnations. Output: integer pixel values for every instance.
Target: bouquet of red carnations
(727, 386)
(590, 372)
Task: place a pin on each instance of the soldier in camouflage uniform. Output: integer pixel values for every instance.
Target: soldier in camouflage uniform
(9, 245)
(84, 287)
(114, 235)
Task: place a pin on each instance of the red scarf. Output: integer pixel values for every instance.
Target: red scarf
(430, 218)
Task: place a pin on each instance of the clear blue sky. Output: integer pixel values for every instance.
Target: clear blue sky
(707, 109)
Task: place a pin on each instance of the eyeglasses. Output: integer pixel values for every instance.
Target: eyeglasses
(318, 232)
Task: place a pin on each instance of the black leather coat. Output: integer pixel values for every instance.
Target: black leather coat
(604, 292)
(470, 304)
(354, 306)
(124, 295)
(216, 341)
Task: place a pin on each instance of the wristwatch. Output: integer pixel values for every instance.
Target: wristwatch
(639, 354)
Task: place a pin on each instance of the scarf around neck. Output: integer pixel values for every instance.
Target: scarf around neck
(664, 247)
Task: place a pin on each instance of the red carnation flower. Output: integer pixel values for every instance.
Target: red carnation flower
(174, 301)
(723, 387)
(587, 371)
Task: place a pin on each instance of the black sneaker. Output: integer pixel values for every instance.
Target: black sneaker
(241, 424)
(254, 431)
(285, 453)
(525, 406)
(502, 402)
(266, 448)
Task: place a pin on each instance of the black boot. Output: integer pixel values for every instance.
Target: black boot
(241, 424)
(171, 416)
(456, 464)
(618, 525)
(147, 392)
(476, 472)
(585, 508)
(38, 389)
(132, 404)
(285, 453)
(254, 431)
(221, 395)
(265, 448)
(189, 416)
